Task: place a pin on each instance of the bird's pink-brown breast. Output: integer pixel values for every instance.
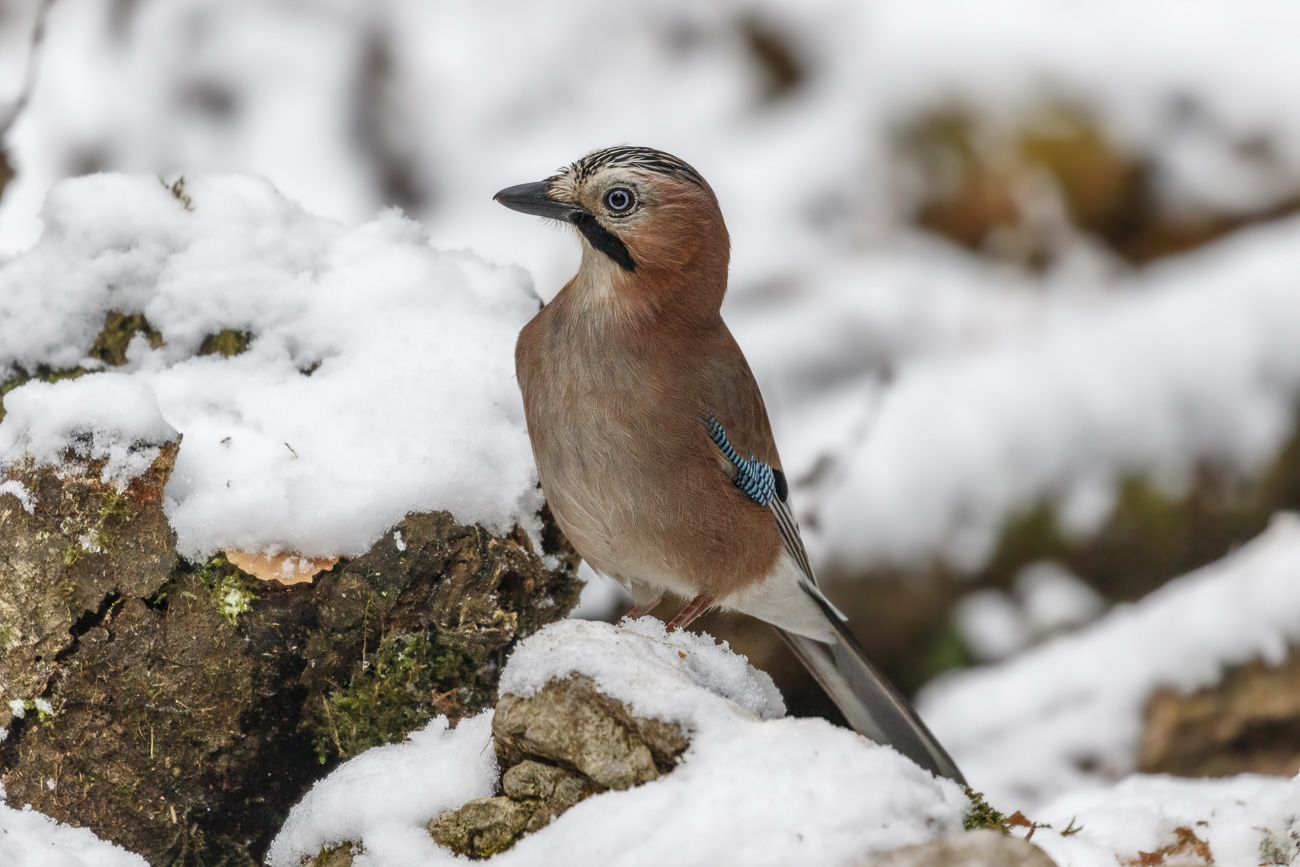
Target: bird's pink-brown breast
(616, 417)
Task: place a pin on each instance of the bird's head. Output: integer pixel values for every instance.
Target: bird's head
(650, 225)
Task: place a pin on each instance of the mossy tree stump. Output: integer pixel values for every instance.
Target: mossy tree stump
(181, 709)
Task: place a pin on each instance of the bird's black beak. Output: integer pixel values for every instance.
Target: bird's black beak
(532, 199)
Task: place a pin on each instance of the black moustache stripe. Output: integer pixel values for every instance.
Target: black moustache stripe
(604, 240)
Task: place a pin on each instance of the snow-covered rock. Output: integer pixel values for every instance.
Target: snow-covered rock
(786, 790)
(1068, 714)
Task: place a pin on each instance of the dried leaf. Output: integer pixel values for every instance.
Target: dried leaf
(1187, 844)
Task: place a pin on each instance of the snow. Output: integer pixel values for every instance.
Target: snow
(991, 625)
(1245, 821)
(335, 423)
(19, 490)
(387, 795)
(1067, 714)
(1054, 599)
(663, 675)
(920, 395)
(28, 839)
(1047, 599)
(831, 288)
(788, 791)
(106, 417)
(278, 88)
(1196, 362)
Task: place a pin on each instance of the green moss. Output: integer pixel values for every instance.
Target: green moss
(981, 814)
(227, 342)
(337, 856)
(229, 586)
(21, 708)
(119, 329)
(97, 539)
(391, 693)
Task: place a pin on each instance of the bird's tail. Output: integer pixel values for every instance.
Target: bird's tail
(871, 704)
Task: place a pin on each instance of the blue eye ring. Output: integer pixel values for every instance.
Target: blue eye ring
(619, 200)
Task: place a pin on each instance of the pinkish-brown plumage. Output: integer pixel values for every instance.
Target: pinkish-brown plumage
(633, 388)
(619, 372)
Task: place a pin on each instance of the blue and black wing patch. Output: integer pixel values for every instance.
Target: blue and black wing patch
(755, 478)
(768, 487)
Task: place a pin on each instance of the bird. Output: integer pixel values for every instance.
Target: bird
(652, 441)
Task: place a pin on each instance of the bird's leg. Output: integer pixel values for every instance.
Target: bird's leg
(688, 614)
(641, 609)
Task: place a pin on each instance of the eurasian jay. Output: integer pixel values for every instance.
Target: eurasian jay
(652, 442)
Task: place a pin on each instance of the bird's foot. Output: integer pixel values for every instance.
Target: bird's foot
(698, 606)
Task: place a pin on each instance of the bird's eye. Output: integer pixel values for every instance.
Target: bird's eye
(618, 199)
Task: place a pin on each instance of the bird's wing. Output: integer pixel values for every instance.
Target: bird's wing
(738, 425)
(768, 487)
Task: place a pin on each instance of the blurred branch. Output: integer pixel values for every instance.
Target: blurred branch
(29, 77)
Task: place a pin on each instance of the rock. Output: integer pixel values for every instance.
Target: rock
(180, 709)
(983, 848)
(534, 795)
(481, 828)
(1248, 723)
(547, 789)
(565, 743)
(570, 723)
(339, 856)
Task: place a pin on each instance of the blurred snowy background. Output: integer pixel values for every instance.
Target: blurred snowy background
(1020, 281)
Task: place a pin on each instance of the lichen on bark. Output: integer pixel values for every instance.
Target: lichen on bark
(85, 545)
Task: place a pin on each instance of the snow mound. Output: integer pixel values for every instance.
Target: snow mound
(106, 416)
(1068, 714)
(788, 791)
(1243, 821)
(1197, 362)
(387, 795)
(665, 675)
(29, 839)
(377, 380)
